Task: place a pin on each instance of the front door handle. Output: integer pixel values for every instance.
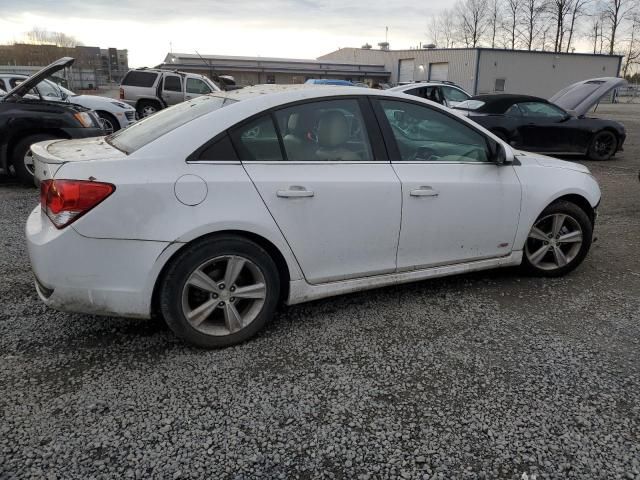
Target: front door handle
(295, 191)
(425, 191)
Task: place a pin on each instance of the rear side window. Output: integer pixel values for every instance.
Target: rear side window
(220, 150)
(139, 79)
(257, 140)
(172, 83)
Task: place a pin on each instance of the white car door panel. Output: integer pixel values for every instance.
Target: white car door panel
(456, 212)
(340, 220)
(457, 205)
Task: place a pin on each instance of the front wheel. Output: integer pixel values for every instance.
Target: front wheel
(220, 291)
(109, 122)
(558, 241)
(603, 145)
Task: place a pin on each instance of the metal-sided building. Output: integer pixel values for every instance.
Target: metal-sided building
(257, 70)
(485, 70)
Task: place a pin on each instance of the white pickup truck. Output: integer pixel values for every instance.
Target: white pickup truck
(149, 90)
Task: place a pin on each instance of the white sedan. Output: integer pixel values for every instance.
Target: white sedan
(213, 211)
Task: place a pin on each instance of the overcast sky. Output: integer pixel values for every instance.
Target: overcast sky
(276, 28)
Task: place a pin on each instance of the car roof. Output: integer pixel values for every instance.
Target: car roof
(500, 103)
(431, 83)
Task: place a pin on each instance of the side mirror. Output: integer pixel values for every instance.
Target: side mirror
(502, 155)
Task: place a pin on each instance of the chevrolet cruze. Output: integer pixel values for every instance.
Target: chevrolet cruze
(213, 211)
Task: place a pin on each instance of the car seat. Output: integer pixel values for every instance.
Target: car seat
(333, 134)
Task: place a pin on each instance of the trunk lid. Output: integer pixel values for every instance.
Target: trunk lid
(580, 97)
(50, 155)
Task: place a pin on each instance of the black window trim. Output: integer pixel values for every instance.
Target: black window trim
(391, 142)
(371, 123)
(164, 81)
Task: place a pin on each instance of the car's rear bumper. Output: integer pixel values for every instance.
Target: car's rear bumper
(88, 275)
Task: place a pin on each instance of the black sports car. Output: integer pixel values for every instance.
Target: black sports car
(26, 119)
(557, 126)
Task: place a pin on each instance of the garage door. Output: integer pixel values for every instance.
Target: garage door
(405, 72)
(439, 71)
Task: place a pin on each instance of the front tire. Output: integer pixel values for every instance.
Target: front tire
(109, 122)
(22, 158)
(147, 108)
(603, 145)
(558, 241)
(219, 291)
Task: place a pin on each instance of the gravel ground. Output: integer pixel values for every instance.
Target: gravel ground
(489, 375)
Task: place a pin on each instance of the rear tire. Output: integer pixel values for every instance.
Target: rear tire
(603, 145)
(558, 241)
(147, 107)
(21, 157)
(219, 291)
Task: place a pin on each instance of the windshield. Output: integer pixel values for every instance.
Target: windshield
(153, 127)
(471, 104)
(68, 92)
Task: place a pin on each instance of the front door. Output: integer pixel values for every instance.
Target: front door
(333, 196)
(172, 89)
(457, 205)
(547, 128)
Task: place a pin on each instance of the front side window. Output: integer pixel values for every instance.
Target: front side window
(424, 134)
(330, 130)
(2, 85)
(197, 86)
(539, 109)
(454, 95)
(172, 83)
(257, 140)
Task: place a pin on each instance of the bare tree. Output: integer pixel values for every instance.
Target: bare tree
(560, 10)
(632, 56)
(531, 17)
(615, 13)
(448, 27)
(577, 10)
(41, 36)
(472, 17)
(595, 29)
(433, 29)
(512, 8)
(494, 20)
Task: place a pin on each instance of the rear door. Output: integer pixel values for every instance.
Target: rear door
(172, 92)
(321, 170)
(195, 87)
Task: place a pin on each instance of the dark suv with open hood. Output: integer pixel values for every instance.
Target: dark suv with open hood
(25, 119)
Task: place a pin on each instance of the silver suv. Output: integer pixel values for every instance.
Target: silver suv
(150, 90)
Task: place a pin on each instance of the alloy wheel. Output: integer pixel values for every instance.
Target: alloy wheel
(107, 126)
(223, 295)
(148, 110)
(604, 144)
(554, 241)
(28, 162)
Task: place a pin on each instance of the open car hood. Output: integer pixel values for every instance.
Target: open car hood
(580, 97)
(22, 88)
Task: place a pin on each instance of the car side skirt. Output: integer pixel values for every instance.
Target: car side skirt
(300, 291)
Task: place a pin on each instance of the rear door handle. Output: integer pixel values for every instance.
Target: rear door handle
(425, 191)
(295, 191)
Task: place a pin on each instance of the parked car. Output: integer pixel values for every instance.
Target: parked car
(447, 94)
(329, 81)
(150, 90)
(114, 115)
(24, 121)
(213, 211)
(557, 126)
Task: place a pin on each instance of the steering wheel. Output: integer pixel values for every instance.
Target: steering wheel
(423, 154)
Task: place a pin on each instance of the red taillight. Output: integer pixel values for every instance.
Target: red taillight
(121, 93)
(64, 201)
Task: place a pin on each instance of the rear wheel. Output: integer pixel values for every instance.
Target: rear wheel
(147, 107)
(603, 145)
(558, 241)
(220, 291)
(22, 157)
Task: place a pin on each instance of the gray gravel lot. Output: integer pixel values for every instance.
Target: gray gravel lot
(489, 375)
